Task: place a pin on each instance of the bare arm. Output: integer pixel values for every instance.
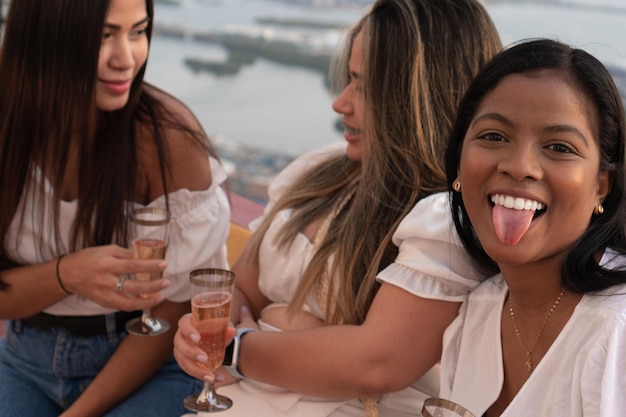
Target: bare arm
(400, 340)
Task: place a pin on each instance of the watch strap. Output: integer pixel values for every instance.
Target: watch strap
(232, 364)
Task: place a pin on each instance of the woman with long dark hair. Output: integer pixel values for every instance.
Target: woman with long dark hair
(83, 141)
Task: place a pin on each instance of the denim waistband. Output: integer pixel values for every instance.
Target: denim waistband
(84, 326)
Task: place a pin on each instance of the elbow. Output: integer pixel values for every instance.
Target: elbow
(382, 378)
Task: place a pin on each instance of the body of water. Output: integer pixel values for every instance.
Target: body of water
(288, 109)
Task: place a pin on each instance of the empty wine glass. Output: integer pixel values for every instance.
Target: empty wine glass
(438, 407)
(149, 229)
(211, 297)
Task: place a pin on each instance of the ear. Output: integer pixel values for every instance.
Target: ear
(604, 186)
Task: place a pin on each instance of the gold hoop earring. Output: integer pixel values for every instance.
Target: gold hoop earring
(599, 209)
(456, 185)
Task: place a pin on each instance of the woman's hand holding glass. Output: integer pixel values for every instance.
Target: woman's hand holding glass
(95, 273)
(192, 358)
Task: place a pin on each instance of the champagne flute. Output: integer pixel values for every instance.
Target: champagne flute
(211, 297)
(149, 228)
(438, 407)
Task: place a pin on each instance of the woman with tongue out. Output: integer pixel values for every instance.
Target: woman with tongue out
(83, 141)
(536, 164)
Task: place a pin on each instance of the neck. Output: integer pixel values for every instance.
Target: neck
(531, 285)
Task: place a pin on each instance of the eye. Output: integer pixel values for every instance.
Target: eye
(492, 137)
(561, 148)
(106, 35)
(139, 32)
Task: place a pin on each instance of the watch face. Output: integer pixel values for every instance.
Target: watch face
(228, 354)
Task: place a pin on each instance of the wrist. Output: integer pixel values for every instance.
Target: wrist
(233, 350)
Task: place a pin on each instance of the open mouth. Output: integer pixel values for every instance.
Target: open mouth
(512, 216)
(517, 203)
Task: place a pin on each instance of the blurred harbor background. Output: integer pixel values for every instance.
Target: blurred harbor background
(255, 71)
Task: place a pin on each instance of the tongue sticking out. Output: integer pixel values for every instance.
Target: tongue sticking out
(511, 224)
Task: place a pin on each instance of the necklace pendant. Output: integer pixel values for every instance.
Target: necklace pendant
(529, 361)
(529, 365)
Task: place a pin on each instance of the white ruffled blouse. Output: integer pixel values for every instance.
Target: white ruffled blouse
(198, 231)
(581, 375)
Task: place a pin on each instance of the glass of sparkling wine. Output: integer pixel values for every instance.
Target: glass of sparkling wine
(438, 407)
(149, 228)
(211, 296)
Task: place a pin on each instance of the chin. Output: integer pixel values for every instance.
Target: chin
(111, 104)
(354, 152)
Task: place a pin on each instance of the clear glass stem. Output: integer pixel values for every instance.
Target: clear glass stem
(208, 400)
(207, 395)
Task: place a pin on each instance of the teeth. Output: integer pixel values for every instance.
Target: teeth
(516, 203)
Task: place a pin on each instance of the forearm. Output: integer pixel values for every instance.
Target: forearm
(134, 362)
(326, 362)
(31, 289)
(396, 345)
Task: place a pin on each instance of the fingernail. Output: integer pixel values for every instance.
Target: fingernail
(164, 284)
(194, 338)
(202, 358)
(209, 378)
(219, 377)
(162, 265)
(244, 310)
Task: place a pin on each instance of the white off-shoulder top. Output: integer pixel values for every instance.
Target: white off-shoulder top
(198, 231)
(431, 262)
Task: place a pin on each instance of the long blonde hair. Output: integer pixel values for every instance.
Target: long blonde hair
(419, 57)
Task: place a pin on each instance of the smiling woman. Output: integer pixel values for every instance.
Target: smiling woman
(96, 142)
(123, 53)
(536, 162)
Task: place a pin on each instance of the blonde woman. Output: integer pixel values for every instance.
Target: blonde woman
(340, 224)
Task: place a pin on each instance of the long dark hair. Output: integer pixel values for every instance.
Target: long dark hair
(48, 116)
(580, 272)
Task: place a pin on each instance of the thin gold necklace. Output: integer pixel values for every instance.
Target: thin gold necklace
(529, 352)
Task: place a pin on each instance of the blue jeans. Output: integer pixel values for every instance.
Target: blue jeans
(42, 372)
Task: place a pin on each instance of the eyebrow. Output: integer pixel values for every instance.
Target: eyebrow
(118, 27)
(567, 129)
(492, 116)
(549, 129)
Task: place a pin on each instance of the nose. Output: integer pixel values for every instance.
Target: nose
(122, 54)
(521, 162)
(344, 103)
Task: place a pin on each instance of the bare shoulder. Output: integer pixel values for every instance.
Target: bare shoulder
(186, 146)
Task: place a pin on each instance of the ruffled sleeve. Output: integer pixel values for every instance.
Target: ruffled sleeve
(431, 261)
(198, 231)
